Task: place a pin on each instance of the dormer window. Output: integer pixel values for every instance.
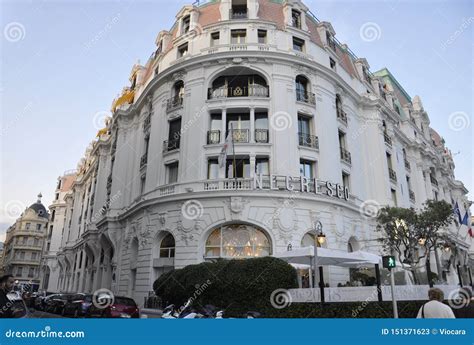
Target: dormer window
(186, 24)
(215, 39)
(182, 50)
(330, 41)
(238, 10)
(296, 19)
(262, 36)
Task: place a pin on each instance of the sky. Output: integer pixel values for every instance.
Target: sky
(63, 63)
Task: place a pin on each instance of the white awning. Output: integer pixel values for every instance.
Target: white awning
(329, 257)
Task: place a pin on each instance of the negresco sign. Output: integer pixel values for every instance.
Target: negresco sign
(301, 184)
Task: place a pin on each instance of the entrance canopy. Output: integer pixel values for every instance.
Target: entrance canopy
(329, 257)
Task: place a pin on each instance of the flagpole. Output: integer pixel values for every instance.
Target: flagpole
(233, 153)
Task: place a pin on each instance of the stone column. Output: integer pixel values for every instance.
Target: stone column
(252, 125)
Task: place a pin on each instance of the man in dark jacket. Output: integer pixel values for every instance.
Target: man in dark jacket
(6, 285)
(464, 309)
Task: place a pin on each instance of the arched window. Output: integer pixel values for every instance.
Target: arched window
(167, 247)
(303, 90)
(353, 245)
(308, 240)
(238, 82)
(237, 241)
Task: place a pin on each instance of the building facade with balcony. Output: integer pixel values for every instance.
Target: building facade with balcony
(311, 135)
(55, 232)
(23, 246)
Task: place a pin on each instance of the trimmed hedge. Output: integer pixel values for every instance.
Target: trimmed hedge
(236, 286)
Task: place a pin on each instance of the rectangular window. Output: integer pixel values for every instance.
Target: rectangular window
(298, 44)
(33, 256)
(174, 134)
(342, 140)
(19, 271)
(262, 36)
(38, 227)
(215, 38)
(389, 160)
(172, 173)
(394, 196)
(332, 63)
(296, 19)
(142, 184)
(238, 36)
(27, 226)
(345, 180)
(212, 169)
(186, 24)
(242, 168)
(182, 50)
(307, 168)
(262, 166)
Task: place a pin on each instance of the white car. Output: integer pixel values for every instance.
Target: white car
(19, 308)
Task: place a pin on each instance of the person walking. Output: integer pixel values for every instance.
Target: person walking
(6, 285)
(466, 305)
(435, 308)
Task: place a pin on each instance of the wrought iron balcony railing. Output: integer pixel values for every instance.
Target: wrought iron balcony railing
(434, 181)
(143, 161)
(412, 195)
(342, 116)
(170, 145)
(238, 91)
(240, 135)
(175, 102)
(238, 14)
(306, 97)
(346, 156)
(261, 135)
(387, 139)
(392, 174)
(213, 137)
(407, 165)
(308, 140)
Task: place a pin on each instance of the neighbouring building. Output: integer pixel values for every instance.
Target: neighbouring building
(1, 259)
(55, 232)
(315, 137)
(24, 245)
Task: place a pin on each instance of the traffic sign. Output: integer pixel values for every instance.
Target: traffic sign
(388, 261)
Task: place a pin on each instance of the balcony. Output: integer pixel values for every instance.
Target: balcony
(412, 195)
(392, 174)
(174, 103)
(261, 135)
(387, 139)
(305, 97)
(346, 156)
(143, 161)
(238, 91)
(434, 181)
(308, 140)
(342, 116)
(240, 135)
(407, 165)
(147, 122)
(235, 13)
(171, 145)
(213, 137)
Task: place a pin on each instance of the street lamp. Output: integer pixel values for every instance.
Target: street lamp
(320, 238)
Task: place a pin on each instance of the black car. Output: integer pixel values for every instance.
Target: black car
(78, 305)
(55, 303)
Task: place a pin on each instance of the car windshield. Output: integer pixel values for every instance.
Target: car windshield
(18, 307)
(125, 301)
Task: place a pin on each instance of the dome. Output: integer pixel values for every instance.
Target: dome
(39, 208)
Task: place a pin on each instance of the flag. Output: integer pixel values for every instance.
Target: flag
(465, 219)
(457, 212)
(223, 155)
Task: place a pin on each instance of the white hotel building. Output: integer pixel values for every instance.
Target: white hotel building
(151, 195)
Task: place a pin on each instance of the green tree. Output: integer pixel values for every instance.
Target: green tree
(411, 236)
